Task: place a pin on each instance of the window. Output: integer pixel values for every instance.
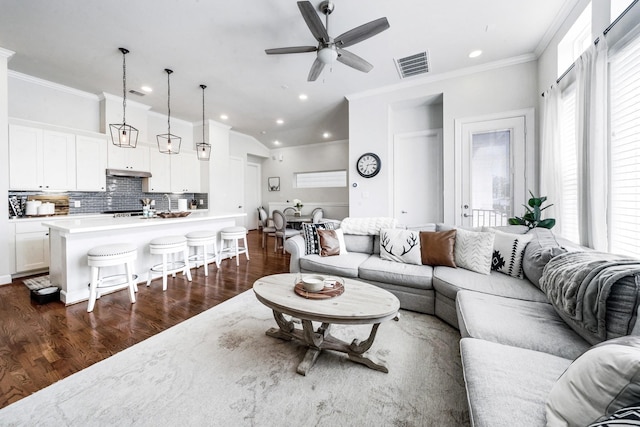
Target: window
(569, 160)
(625, 150)
(321, 179)
(575, 41)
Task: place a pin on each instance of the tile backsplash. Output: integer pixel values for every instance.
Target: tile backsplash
(123, 193)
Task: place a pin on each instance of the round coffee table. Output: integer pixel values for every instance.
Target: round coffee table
(360, 303)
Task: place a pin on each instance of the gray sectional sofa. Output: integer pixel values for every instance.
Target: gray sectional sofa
(514, 343)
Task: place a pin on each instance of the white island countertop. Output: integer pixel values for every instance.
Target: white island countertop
(107, 223)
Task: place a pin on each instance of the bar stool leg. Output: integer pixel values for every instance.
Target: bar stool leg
(187, 270)
(132, 285)
(206, 261)
(93, 289)
(164, 272)
(246, 247)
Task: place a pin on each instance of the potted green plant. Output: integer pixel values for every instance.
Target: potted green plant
(532, 217)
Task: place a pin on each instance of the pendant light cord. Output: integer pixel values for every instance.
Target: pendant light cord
(203, 88)
(169, 104)
(124, 86)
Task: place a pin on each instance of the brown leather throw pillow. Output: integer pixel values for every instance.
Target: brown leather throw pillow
(437, 247)
(329, 243)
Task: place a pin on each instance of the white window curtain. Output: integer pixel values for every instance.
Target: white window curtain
(591, 119)
(550, 156)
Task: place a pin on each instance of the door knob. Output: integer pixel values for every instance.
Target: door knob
(403, 212)
(465, 215)
(466, 206)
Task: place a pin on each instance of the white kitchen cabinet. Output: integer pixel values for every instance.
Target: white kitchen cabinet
(41, 159)
(185, 173)
(160, 168)
(91, 163)
(135, 159)
(31, 246)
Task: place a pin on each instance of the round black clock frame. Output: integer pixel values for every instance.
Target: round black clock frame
(368, 157)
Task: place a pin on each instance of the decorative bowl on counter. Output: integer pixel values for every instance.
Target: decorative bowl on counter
(172, 214)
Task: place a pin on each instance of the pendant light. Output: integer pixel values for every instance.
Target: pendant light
(203, 150)
(168, 143)
(124, 135)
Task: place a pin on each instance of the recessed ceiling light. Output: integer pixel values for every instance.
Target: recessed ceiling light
(276, 142)
(303, 97)
(475, 54)
(146, 89)
(263, 132)
(326, 135)
(279, 121)
(224, 116)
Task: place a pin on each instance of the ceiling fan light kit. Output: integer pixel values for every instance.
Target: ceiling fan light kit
(330, 50)
(167, 142)
(203, 150)
(122, 134)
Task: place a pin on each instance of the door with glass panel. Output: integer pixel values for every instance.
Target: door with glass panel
(493, 171)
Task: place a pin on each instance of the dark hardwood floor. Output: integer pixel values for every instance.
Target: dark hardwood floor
(42, 344)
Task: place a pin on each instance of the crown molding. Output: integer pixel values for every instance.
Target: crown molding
(173, 119)
(560, 18)
(219, 125)
(445, 76)
(51, 85)
(6, 53)
(315, 144)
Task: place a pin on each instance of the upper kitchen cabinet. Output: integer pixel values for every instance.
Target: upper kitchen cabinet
(91, 163)
(185, 173)
(160, 167)
(135, 159)
(41, 159)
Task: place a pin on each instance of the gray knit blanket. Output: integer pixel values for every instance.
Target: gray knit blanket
(578, 284)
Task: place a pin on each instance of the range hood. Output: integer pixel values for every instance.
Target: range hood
(129, 173)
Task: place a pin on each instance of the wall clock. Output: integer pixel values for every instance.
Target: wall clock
(368, 165)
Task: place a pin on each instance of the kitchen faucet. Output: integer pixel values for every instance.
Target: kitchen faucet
(168, 200)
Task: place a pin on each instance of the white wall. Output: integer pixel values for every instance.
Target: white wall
(5, 271)
(510, 85)
(324, 156)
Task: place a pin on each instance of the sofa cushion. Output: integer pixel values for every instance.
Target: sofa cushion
(473, 250)
(384, 271)
(598, 383)
(503, 320)
(507, 386)
(342, 265)
(542, 247)
(448, 281)
(310, 234)
(507, 252)
(358, 243)
(329, 243)
(438, 247)
(400, 245)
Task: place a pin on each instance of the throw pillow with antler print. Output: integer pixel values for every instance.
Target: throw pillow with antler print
(400, 245)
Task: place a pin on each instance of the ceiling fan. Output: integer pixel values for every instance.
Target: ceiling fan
(331, 49)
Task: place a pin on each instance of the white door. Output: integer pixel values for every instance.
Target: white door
(235, 188)
(492, 171)
(417, 177)
(253, 198)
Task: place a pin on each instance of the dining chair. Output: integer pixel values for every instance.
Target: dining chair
(267, 230)
(282, 232)
(316, 215)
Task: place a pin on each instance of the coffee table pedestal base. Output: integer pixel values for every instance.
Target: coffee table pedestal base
(321, 339)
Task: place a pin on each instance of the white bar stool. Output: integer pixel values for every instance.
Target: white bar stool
(169, 245)
(233, 234)
(108, 256)
(202, 239)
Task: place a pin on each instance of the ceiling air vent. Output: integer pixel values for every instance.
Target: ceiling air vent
(135, 92)
(413, 65)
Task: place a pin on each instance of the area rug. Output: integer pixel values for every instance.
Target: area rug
(220, 369)
(36, 283)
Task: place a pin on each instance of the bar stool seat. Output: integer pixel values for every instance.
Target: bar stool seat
(233, 234)
(108, 256)
(202, 239)
(169, 245)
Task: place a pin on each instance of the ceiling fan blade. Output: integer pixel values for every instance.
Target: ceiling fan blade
(293, 49)
(315, 71)
(362, 32)
(354, 61)
(313, 21)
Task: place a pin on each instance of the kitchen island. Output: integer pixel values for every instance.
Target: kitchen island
(70, 240)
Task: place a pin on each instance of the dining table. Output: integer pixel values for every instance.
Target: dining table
(297, 221)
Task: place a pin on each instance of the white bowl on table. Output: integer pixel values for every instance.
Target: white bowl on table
(313, 283)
